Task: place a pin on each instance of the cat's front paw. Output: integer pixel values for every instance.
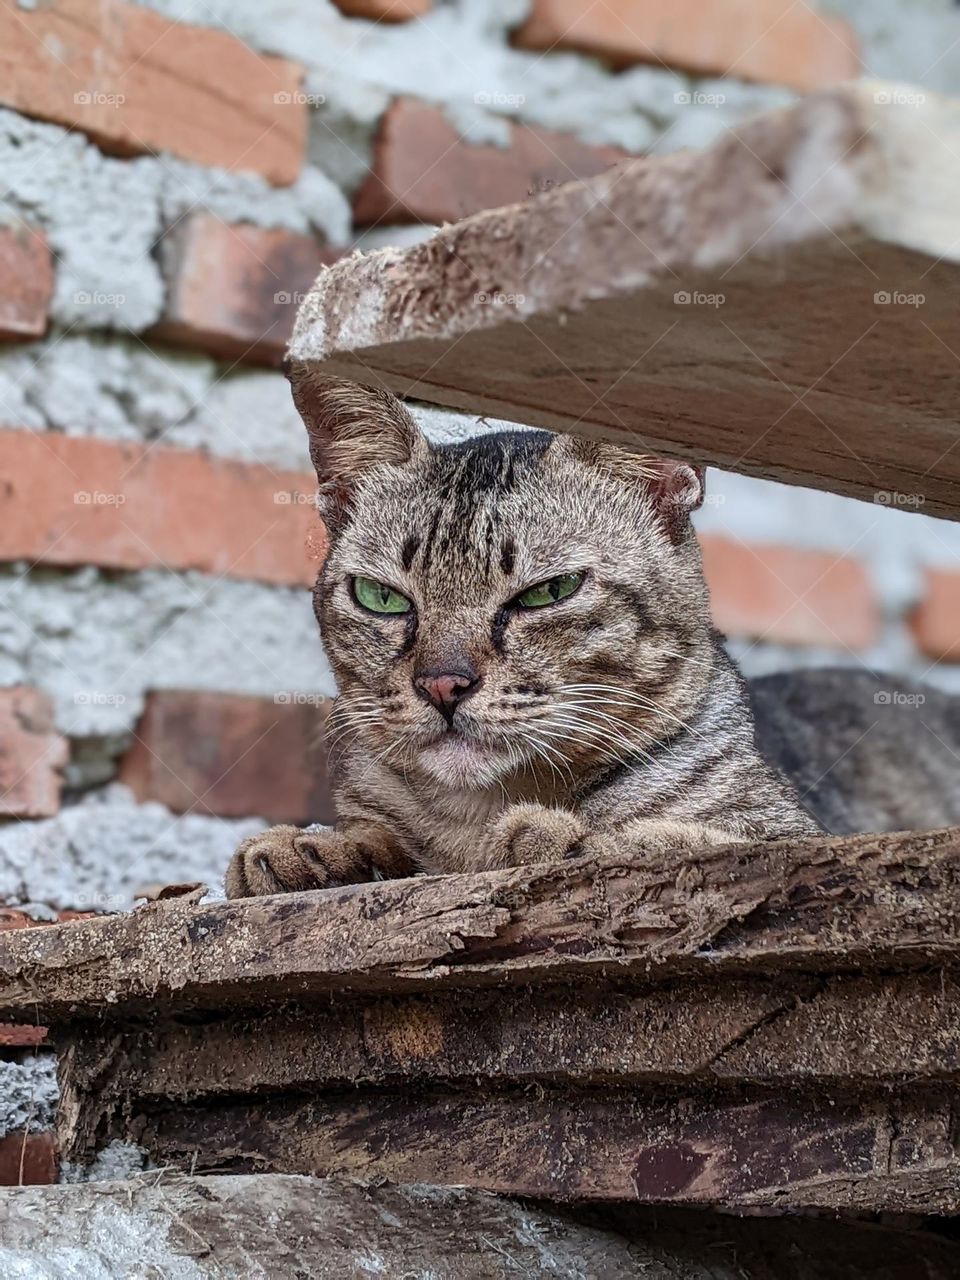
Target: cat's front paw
(527, 833)
(287, 859)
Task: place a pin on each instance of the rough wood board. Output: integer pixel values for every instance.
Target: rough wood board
(236, 1228)
(563, 311)
(826, 903)
(849, 1032)
(897, 1152)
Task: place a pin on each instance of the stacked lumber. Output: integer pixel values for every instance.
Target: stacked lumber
(770, 1025)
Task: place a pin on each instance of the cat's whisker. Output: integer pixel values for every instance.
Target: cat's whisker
(576, 733)
(621, 695)
(540, 752)
(601, 738)
(550, 754)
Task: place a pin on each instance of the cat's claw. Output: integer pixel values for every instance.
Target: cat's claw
(285, 859)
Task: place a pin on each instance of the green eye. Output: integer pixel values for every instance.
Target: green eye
(551, 591)
(378, 597)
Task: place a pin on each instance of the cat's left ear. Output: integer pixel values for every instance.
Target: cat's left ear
(351, 428)
(675, 488)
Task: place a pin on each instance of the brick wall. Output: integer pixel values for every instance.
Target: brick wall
(175, 173)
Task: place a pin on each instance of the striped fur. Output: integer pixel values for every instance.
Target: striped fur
(607, 720)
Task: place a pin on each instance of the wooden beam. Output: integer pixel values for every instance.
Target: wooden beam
(783, 303)
(329, 1229)
(849, 1032)
(863, 902)
(889, 1152)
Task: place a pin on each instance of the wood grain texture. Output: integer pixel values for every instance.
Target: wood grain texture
(820, 904)
(749, 1026)
(233, 1228)
(763, 305)
(892, 1153)
(846, 1032)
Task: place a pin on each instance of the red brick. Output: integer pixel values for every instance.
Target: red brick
(384, 10)
(424, 171)
(21, 1037)
(136, 82)
(26, 283)
(71, 501)
(28, 1160)
(13, 918)
(788, 596)
(231, 755)
(32, 755)
(234, 289)
(936, 619)
(764, 40)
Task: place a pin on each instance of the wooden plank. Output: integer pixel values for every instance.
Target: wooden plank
(764, 305)
(843, 1032)
(327, 1229)
(889, 1152)
(879, 901)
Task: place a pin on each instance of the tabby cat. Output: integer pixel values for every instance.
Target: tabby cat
(521, 638)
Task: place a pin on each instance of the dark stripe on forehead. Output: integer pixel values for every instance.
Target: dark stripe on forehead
(508, 556)
(409, 549)
(487, 547)
(465, 483)
(493, 461)
(431, 540)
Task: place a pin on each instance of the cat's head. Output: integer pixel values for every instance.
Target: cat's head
(520, 601)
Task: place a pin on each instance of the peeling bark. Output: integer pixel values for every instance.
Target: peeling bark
(864, 902)
(772, 1026)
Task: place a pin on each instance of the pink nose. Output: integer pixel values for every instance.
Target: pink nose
(445, 690)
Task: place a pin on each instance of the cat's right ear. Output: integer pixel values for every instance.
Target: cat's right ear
(350, 428)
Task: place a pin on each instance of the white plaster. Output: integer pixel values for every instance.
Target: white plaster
(97, 642)
(250, 415)
(96, 854)
(103, 216)
(28, 1093)
(118, 1160)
